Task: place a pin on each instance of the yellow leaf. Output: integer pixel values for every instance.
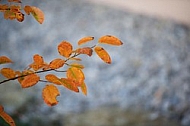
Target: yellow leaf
(30, 80)
(8, 73)
(103, 54)
(6, 117)
(56, 63)
(4, 59)
(49, 93)
(65, 49)
(53, 79)
(77, 65)
(74, 58)
(109, 39)
(69, 84)
(86, 50)
(76, 75)
(38, 14)
(85, 40)
(84, 88)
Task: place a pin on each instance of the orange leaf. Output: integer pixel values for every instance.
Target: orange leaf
(65, 49)
(49, 93)
(38, 62)
(69, 84)
(9, 15)
(17, 1)
(8, 73)
(86, 50)
(6, 117)
(84, 88)
(22, 74)
(109, 39)
(4, 59)
(103, 54)
(3, 7)
(37, 14)
(85, 40)
(14, 8)
(53, 79)
(19, 17)
(27, 9)
(30, 80)
(76, 75)
(56, 63)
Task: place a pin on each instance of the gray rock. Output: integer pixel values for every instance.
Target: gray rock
(150, 71)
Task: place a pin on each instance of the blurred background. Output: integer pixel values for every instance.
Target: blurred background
(147, 84)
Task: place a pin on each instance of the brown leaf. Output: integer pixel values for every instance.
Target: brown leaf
(85, 40)
(30, 80)
(103, 54)
(109, 39)
(8, 73)
(49, 93)
(56, 63)
(65, 49)
(86, 50)
(4, 59)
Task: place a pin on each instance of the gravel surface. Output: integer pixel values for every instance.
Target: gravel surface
(150, 71)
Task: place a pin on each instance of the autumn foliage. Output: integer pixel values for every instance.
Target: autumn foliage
(69, 63)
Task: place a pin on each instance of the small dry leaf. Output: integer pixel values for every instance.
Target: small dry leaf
(56, 63)
(102, 53)
(84, 88)
(4, 59)
(8, 73)
(76, 75)
(65, 49)
(49, 93)
(30, 80)
(53, 79)
(109, 39)
(85, 40)
(6, 117)
(86, 50)
(69, 84)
